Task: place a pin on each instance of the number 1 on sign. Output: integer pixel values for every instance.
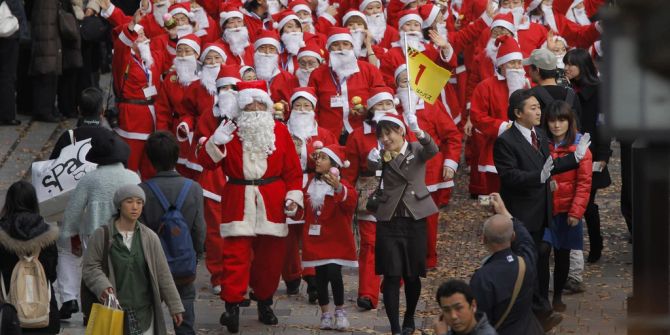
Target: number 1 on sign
(418, 75)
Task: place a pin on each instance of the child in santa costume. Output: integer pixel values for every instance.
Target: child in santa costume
(489, 106)
(264, 184)
(307, 137)
(328, 242)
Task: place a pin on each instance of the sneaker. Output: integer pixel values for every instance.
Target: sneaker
(326, 321)
(341, 321)
(572, 287)
(216, 290)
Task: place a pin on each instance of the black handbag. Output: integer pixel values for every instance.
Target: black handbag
(374, 199)
(67, 24)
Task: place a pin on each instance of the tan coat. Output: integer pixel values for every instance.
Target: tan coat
(162, 284)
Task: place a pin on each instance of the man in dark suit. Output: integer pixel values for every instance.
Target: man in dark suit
(522, 159)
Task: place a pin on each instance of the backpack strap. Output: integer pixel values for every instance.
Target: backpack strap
(161, 197)
(543, 94)
(515, 293)
(182, 195)
(72, 139)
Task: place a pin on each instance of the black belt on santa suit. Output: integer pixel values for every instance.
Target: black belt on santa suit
(254, 182)
(135, 101)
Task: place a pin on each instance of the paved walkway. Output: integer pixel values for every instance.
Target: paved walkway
(601, 310)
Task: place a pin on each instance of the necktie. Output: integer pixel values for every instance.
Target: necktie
(533, 139)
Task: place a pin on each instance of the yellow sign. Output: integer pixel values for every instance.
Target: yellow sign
(427, 79)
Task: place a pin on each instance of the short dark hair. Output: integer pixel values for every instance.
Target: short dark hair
(21, 197)
(251, 5)
(517, 101)
(162, 150)
(90, 102)
(383, 126)
(545, 74)
(561, 110)
(453, 286)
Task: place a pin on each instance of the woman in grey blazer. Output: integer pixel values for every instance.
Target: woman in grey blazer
(404, 203)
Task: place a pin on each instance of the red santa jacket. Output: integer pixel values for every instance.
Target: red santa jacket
(246, 58)
(573, 187)
(281, 87)
(487, 113)
(256, 210)
(327, 86)
(576, 35)
(211, 33)
(148, 22)
(335, 242)
(305, 153)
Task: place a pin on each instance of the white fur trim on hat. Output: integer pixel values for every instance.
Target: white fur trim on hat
(339, 37)
(229, 15)
(409, 17)
(181, 10)
(191, 43)
(509, 57)
(266, 40)
(400, 69)
(303, 94)
(125, 39)
(505, 24)
(215, 48)
(431, 17)
(379, 97)
(310, 53)
(391, 119)
(226, 81)
(533, 4)
(364, 4)
(334, 157)
(306, 8)
(250, 95)
(353, 13)
(286, 19)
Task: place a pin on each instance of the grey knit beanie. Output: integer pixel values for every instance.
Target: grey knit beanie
(128, 191)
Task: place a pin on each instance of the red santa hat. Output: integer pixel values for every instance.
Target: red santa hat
(299, 5)
(228, 75)
(506, 21)
(365, 3)
(254, 90)
(379, 94)
(532, 4)
(338, 34)
(392, 118)
(508, 50)
(312, 49)
(354, 13)
(282, 18)
(336, 153)
(267, 37)
(181, 8)
(429, 14)
(128, 37)
(409, 15)
(399, 70)
(192, 41)
(217, 47)
(304, 92)
(229, 10)
(244, 69)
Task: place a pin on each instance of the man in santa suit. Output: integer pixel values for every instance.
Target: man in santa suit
(336, 83)
(542, 12)
(364, 50)
(292, 39)
(280, 83)
(136, 69)
(170, 112)
(265, 179)
(358, 146)
(309, 59)
(317, 26)
(440, 170)
(239, 50)
(382, 34)
(489, 106)
(307, 137)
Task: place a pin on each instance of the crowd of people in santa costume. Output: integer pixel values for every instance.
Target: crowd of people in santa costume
(275, 104)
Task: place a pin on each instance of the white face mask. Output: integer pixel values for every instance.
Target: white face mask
(227, 104)
(237, 38)
(343, 63)
(184, 30)
(266, 65)
(159, 10)
(358, 37)
(377, 26)
(516, 79)
(293, 42)
(200, 17)
(186, 68)
(208, 77)
(303, 76)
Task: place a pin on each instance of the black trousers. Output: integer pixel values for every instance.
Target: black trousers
(330, 273)
(9, 56)
(68, 92)
(541, 306)
(592, 218)
(45, 88)
(627, 184)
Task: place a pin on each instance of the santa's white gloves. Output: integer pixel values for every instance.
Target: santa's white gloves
(413, 124)
(374, 155)
(546, 169)
(583, 145)
(224, 133)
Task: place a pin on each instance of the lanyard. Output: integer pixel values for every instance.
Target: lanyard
(337, 84)
(147, 74)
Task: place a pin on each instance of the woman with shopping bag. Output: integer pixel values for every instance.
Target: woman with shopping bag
(137, 271)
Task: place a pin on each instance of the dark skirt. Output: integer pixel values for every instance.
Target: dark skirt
(562, 236)
(400, 248)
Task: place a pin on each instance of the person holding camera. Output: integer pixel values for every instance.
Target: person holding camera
(401, 207)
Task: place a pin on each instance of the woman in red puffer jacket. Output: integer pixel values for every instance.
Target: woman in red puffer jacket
(571, 191)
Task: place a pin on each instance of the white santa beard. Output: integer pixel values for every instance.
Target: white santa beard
(301, 124)
(208, 77)
(549, 17)
(517, 12)
(414, 41)
(201, 18)
(273, 7)
(357, 36)
(377, 26)
(407, 106)
(184, 30)
(292, 42)
(145, 53)
(307, 24)
(265, 65)
(491, 50)
(256, 131)
(303, 76)
(227, 105)
(343, 63)
(516, 79)
(159, 11)
(317, 191)
(442, 30)
(186, 68)
(578, 16)
(237, 39)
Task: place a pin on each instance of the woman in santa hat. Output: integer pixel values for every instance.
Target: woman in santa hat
(328, 242)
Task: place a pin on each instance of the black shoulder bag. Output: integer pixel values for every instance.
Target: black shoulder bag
(373, 201)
